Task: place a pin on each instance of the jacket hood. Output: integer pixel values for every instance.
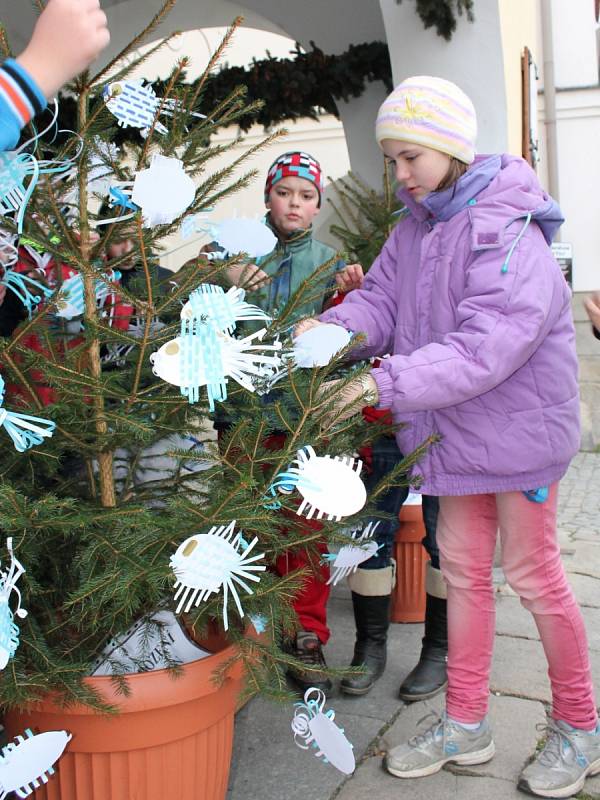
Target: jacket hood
(497, 190)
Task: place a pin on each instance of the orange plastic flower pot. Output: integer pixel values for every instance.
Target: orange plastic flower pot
(172, 738)
(408, 596)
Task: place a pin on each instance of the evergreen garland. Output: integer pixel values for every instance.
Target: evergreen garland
(443, 14)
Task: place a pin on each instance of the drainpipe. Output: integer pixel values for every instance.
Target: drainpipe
(550, 99)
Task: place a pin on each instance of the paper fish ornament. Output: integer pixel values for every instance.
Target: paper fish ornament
(331, 487)
(313, 727)
(208, 561)
(9, 632)
(28, 764)
(222, 309)
(25, 431)
(317, 346)
(136, 105)
(208, 357)
(70, 300)
(243, 235)
(349, 557)
(19, 173)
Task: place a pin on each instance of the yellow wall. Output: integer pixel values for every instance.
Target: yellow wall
(518, 30)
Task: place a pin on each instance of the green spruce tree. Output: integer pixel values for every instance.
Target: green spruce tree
(95, 542)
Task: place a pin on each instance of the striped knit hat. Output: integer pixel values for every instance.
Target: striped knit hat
(430, 112)
(295, 164)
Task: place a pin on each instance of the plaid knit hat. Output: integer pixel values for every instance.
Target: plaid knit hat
(294, 165)
(430, 112)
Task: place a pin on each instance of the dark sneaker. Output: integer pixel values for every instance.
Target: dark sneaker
(309, 651)
(563, 764)
(443, 742)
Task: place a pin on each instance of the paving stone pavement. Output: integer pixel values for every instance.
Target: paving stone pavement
(268, 766)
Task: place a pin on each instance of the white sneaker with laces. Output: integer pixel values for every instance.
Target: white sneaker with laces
(445, 741)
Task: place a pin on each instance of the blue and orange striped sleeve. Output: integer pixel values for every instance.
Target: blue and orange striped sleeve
(20, 100)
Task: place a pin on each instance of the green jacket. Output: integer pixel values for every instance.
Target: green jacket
(302, 255)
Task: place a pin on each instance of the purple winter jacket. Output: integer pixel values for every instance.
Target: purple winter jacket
(473, 308)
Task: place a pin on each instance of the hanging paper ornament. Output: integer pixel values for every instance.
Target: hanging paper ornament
(19, 173)
(9, 632)
(133, 104)
(208, 561)
(24, 430)
(317, 346)
(351, 556)
(163, 191)
(243, 235)
(28, 764)
(222, 309)
(136, 105)
(208, 357)
(70, 301)
(312, 727)
(331, 487)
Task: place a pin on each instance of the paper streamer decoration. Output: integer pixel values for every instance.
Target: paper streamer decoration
(9, 632)
(136, 105)
(317, 346)
(243, 235)
(29, 291)
(351, 556)
(208, 357)
(331, 487)
(208, 561)
(28, 764)
(19, 174)
(312, 727)
(24, 430)
(222, 309)
(70, 300)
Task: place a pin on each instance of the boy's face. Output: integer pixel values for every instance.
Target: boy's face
(293, 203)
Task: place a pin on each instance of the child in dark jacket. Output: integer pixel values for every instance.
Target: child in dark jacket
(475, 312)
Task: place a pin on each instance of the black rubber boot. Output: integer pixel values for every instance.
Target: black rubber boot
(372, 617)
(429, 676)
(308, 649)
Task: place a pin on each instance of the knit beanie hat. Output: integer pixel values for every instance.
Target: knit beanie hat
(430, 112)
(295, 164)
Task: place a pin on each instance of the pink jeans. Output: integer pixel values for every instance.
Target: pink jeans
(466, 534)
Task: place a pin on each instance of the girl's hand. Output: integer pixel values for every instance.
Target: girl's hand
(305, 325)
(67, 37)
(351, 399)
(247, 276)
(349, 278)
(592, 306)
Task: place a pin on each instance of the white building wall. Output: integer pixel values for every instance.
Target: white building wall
(473, 59)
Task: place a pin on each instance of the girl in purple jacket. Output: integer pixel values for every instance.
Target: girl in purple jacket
(474, 310)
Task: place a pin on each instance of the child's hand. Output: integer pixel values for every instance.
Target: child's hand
(592, 306)
(67, 37)
(247, 276)
(350, 400)
(349, 278)
(305, 325)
